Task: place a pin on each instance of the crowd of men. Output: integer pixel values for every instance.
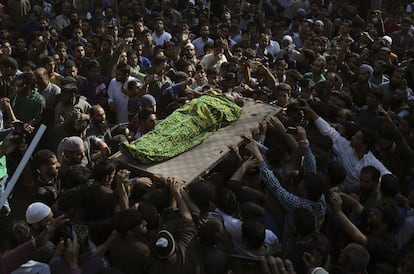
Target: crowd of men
(325, 186)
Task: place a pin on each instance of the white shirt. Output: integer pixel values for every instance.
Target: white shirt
(199, 44)
(273, 48)
(347, 155)
(160, 40)
(233, 226)
(119, 98)
(208, 60)
(32, 267)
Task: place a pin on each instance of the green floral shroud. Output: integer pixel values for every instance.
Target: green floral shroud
(184, 129)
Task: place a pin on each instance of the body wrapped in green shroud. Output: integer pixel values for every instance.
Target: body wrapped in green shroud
(184, 129)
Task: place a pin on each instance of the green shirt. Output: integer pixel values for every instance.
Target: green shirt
(29, 107)
(3, 166)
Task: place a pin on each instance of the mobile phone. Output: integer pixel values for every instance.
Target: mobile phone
(68, 231)
(292, 130)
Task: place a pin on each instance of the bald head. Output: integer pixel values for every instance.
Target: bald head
(42, 76)
(98, 115)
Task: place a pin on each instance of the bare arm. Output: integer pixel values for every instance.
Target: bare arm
(176, 188)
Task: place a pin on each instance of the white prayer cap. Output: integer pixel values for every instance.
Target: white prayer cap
(36, 212)
(388, 39)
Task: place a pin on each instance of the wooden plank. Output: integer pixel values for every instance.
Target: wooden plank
(192, 164)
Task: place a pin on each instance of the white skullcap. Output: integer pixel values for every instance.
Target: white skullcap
(367, 68)
(36, 212)
(388, 39)
(319, 22)
(73, 143)
(319, 270)
(189, 44)
(288, 38)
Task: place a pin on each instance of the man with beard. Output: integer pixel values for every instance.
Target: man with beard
(100, 128)
(160, 36)
(117, 92)
(99, 124)
(71, 105)
(51, 93)
(398, 104)
(46, 165)
(359, 89)
(397, 81)
(203, 39)
(354, 154)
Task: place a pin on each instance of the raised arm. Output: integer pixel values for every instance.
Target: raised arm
(352, 231)
(287, 199)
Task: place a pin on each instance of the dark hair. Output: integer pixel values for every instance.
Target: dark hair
(28, 79)
(376, 91)
(310, 55)
(315, 186)
(108, 38)
(30, 64)
(304, 221)
(307, 83)
(77, 44)
(91, 64)
(323, 142)
(333, 57)
(9, 62)
(159, 197)
(41, 157)
(336, 173)
(70, 63)
(75, 127)
(61, 44)
(211, 71)
(389, 185)
(17, 233)
(208, 46)
(110, 270)
(150, 213)
(254, 233)
(102, 169)
(252, 211)
(69, 84)
(389, 215)
(202, 193)
(373, 172)
(158, 60)
(276, 154)
(144, 32)
(368, 137)
(124, 68)
(210, 232)
(226, 200)
(294, 74)
(74, 176)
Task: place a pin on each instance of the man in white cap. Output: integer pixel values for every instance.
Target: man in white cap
(288, 52)
(359, 89)
(189, 53)
(38, 216)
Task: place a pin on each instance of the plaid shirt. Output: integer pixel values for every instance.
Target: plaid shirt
(288, 200)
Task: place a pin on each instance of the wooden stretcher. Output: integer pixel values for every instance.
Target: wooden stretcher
(192, 164)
